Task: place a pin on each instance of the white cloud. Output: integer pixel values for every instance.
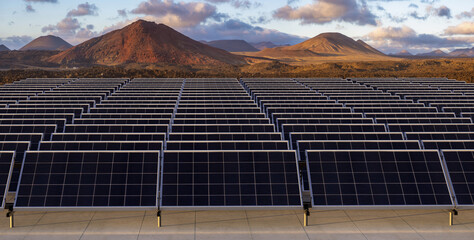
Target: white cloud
(465, 28)
(179, 14)
(325, 11)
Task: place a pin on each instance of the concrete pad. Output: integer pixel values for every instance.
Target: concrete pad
(216, 216)
(277, 227)
(69, 230)
(230, 229)
(388, 228)
(117, 228)
(171, 229)
(334, 231)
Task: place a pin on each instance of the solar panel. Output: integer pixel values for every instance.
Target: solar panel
(6, 168)
(448, 144)
(394, 109)
(46, 130)
(219, 115)
(440, 135)
(98, 128)
(126, 115)
(422, 120)
(266, 136)
(101, 145)
(132, 110)
(354, 145)
(90, 179)
(460, 165)
(227, 145)
(281, 121)
(219, 110)
(67, 116)
(446, 127)
(289, 128)
(19, 148)
(210, 128)
(109, 137)
(374, 178)
(222, 121)
(243, 179)
(76, 111)
(35, 121)
(93, 121)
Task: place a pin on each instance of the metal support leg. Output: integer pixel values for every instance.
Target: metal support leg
(306, 215)
(12, 220)
(452, 213)
(158, 216)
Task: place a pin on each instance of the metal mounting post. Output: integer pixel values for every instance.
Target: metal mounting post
(10, 215)
(306, 217)
(452, 213)
(158, 216)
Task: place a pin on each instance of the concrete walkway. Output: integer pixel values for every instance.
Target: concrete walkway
(274, 225)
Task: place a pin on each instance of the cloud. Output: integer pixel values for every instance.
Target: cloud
(122, 13)
(42, 1)
(236, 29)
(405, 37)
(466, 14)
(412, 5)
(325, 11)
(465, 28)
(71, 30)
(236, 3)
(180, 14)
(29, 8)
(15, 42)
(83, 9)
(442, 11)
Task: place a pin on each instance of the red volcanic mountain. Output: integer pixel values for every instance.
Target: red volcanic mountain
(145, 42)
(50, 43)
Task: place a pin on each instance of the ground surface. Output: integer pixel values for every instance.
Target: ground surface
(275, 225)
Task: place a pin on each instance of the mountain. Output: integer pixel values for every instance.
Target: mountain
(4, 48)
(233, 45)
(145, 42)
(49, 42)
(325, 44)
(435, 53)
(263, 45)
(463, 52)
(403, 53)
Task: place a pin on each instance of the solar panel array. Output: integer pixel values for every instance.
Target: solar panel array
(237, 143)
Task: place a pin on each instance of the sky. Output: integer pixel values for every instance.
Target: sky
(389, 25)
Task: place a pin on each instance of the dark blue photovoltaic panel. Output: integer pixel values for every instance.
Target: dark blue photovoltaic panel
(109, 137)
(206, 179)
(227, 145)
(6, 166)
(101, 146)
(461, 171)
(363, 178)
(440, 135)
(99, 179)
(448, 144)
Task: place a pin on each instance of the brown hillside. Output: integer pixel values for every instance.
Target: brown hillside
(48, 43)
(145, 42)
(324, 45)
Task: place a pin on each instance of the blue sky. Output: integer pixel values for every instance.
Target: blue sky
(389, 25)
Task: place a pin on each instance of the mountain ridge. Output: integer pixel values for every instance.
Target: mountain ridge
(145, 42)
(49, 43)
